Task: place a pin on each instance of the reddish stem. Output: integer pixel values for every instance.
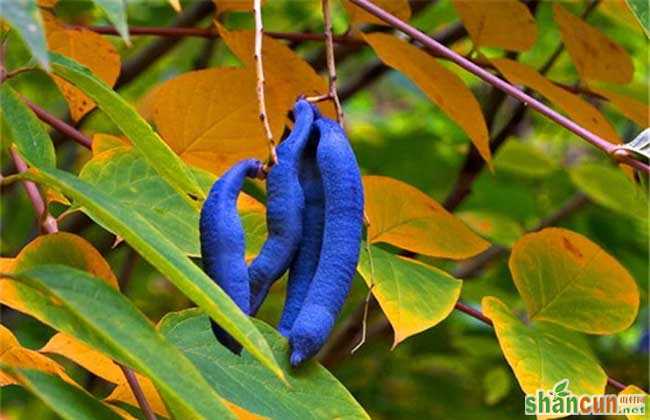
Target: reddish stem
(60, 125)
(500, 84)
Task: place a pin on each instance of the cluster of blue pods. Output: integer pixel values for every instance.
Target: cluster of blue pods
(314, 222)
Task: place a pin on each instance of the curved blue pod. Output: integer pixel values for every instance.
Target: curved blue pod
(284, 208)
(303, 267)
(339, 253)
(222, 240)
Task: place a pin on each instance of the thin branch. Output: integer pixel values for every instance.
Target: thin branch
(45, 220)
(259, 67)
(137, 392)
(501, 84)
(60, 125)
(331, 65)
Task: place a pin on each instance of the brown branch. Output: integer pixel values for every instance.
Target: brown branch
(60, 125)
(137, 392)
(331, 65)
(151, 53)
(259, 69)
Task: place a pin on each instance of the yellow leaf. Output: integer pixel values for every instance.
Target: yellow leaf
(579, 110)
(636, 111)
(595, 56)
(398, 8)
(619, 11)
(224, 6)
(399, 285)
(89, 49)
(85, 356)
(566, 279)
(175, 4)
(505, 24)
(56, 248)
(219, 126)
(287, 74)
(68, 249)
(543, 354)
(47, 3)
(631, 390)
(441, 86)
(15, 355)
(103, 142)
(402, 215)
(242, 413)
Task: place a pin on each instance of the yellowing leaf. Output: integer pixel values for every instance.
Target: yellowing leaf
(224, 6)
(287, 74)
(635, 390)
(89, 49)
(57, 248)
(402, 215)
(398, 8)
(575, 107)
(401, 287)
(175, 4)
(566, 279)
(13, 354)
(85, 356)
(441, 86)
(543, 354)
(636, 111)
(595, 56)
(104, 142)
(242, 413)
(505, 24)
(219, 126)
(67, 249)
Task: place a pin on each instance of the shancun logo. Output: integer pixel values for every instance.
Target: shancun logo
(561, 401)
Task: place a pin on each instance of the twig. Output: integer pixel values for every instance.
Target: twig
(331, 65)
(45, 220)
(501, 84)
(60, 125)
(259, 66)
(137, 392)
(364, 321)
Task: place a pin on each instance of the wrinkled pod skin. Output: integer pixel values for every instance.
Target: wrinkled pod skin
(339, 253)
(222, 241)
(284, 209)
(303, 267)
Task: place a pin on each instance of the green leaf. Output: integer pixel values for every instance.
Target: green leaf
(25, 18)
(414, 296)
(127, 335)
(566, 279)
(153, 148)
(116, 12)
(163, 255)
(543, 354)
(611, 188)
(640, 10)
(26, 130)
(125, 175)
(523, 159)
(313, 391)
(496, 383)
(68, 401)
